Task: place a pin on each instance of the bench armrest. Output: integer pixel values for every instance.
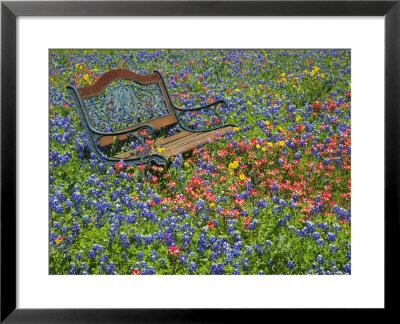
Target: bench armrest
(223, 102)
(211, 107)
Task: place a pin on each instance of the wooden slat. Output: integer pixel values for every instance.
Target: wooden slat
(156, 123)
(168, 141)
(98, 87)
(171, 151)
(174, 137)
(184, 140)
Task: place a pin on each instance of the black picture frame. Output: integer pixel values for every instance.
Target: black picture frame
(10, 10)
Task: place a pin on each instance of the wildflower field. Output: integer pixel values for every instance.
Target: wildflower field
(271, 197)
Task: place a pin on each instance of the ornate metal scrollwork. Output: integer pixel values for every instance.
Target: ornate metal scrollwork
(94, 137)
(125, 103)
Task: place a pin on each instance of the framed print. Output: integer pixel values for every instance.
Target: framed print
(183, 140)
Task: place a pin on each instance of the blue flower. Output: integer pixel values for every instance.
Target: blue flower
(290, 265)
(192, 267)
(347, 268)
(153, 255)
(316, 236)
(331, 237)
(216, 269)
(320, 259)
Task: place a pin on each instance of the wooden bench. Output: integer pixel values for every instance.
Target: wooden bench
(124, 106)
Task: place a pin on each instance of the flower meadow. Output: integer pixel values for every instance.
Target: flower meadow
(271, 197)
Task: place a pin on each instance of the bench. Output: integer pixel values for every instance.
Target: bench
(124, 106)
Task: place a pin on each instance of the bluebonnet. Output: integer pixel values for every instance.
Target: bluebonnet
(75, 229)
(316, 236)
(274, 187)
(192, 267)
(290, 265)
(319, 259)
(153, 255)
(148, 271)
(333, 248)
(331, 236)
(178, 161)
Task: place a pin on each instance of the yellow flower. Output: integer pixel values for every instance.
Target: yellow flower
(280, 127)
(258, 146)
(236, 90)
(267, 122)
(236, 129)
(298, 117)
(323, 76)
(212, 204)
(305, 72)
(86, 77)
(283, 74)
(161, 149)
(242, 177)
(281, 143)
(270, 144)
(263, 149)
(234, 165)
(248, 102)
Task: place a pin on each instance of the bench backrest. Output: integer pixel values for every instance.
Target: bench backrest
(123, 100)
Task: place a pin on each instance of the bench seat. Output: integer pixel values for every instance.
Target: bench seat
(182, 142)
